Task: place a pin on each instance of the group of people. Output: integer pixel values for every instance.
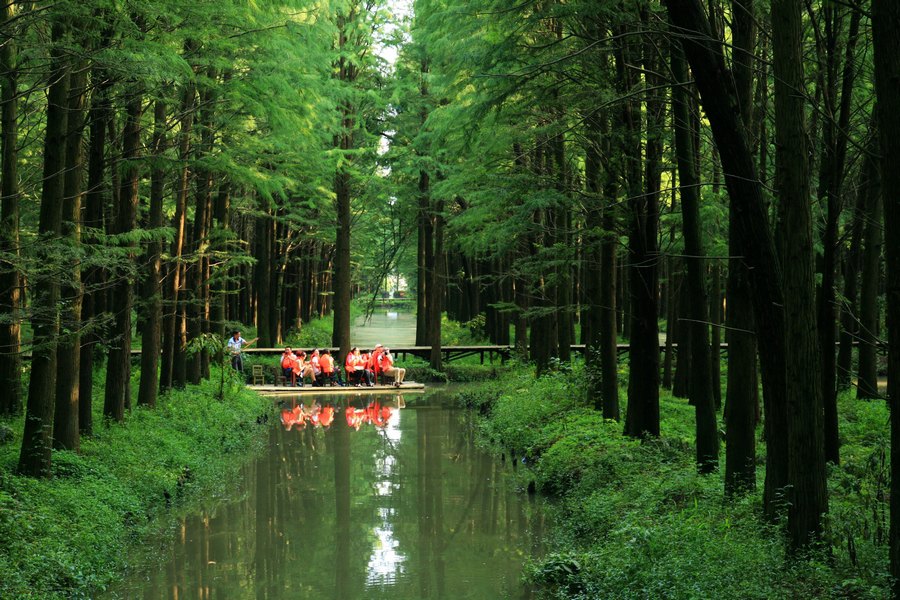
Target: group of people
(362, 368)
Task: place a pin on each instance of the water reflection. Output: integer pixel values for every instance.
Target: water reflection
(404, 508)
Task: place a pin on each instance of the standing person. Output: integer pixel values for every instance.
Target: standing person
(388, 368)
(287, 365)
(235, 345)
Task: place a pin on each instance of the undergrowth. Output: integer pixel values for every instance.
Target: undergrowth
(68, 536)
(635, 520)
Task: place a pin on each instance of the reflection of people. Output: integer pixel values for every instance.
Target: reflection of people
(235, 345)
(388, 368)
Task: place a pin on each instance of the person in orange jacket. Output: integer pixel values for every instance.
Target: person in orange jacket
(375, 361)
(353, 376)
(301, 367)
(287, 366)
(368, 373)
(387, 366)
(329, 373)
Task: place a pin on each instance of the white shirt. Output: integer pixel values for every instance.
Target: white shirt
(235, 344)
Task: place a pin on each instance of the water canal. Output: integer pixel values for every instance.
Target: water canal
(406, 506)
(385, 326)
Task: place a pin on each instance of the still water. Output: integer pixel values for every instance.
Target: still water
(389, 327)
(392, 500)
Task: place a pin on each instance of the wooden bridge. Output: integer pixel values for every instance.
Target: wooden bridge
(452, 353)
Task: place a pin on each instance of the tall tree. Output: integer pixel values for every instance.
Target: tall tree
(35, 457)
(65, 423)
(715, 83)
(151, 333)
(806, 453)
(10, 277)
(886, 35)
(701, 391)
(117, 395)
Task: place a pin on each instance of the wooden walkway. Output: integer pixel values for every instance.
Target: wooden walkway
(452, 353)
(308, 390)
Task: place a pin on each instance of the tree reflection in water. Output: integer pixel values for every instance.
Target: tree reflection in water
(406, 507)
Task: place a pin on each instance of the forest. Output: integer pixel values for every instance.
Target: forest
(706, 183)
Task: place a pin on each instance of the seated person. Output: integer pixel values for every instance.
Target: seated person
(375, 361)
(353, 376)
(388, 368)
(329, 373)
(302, 369)
(316, 366)
(365, 359)
(287, 365)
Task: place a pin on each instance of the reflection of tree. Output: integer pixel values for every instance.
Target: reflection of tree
(430, 503)
(341, 449)
(315, 508)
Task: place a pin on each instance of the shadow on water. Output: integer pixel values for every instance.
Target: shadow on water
(394, 501)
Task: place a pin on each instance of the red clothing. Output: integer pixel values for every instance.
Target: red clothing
(350, 363)
(287, 360)
(376, 360)
(327, 364)
(387, 361)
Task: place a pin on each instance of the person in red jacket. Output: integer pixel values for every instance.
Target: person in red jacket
(375, 361)
(387, 366)
(369, 372)
(353, 376)
(329, 373)
(287, 366)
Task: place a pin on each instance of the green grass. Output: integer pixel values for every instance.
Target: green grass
(634, 520)
(68, 536)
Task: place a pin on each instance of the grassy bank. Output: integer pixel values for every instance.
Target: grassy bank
(68, 536)
(634, 520)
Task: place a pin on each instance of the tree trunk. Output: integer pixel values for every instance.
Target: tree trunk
(262, 274)
(35, 457)
(831, 177)
(808, 496)
(701, 392)
(850, 302)
(152, 303)
(340, 337)
(642, 415)
(65, 419)
(715, 83)
(886, 34)
(93, 305)
(10, 277)
(118, 370)
(437, 287)
(867, 386)
(172, 367)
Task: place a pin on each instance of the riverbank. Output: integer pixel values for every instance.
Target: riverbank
(634, 520)
(68, 536)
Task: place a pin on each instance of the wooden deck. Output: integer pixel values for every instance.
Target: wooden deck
(308, 390)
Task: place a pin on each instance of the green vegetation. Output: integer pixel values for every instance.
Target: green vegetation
(634, 519)
(68, 536)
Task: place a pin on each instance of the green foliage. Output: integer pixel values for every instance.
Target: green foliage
(67, 537)
(634, 519)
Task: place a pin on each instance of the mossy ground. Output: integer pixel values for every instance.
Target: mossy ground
(635, 520)
(68, 536)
